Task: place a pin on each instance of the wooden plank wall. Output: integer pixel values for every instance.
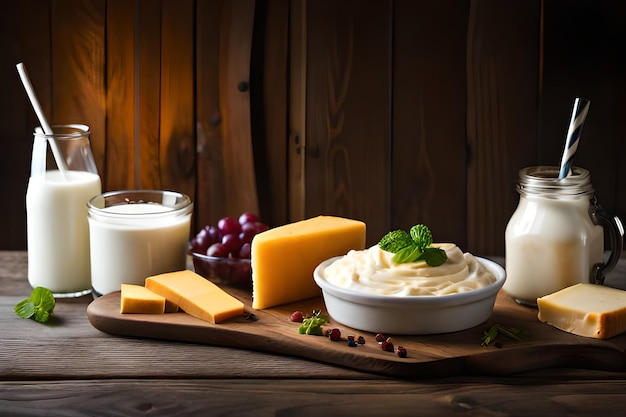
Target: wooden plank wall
(390, 111)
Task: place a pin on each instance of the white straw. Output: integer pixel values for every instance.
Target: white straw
(21, 69)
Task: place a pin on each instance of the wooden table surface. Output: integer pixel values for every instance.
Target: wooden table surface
(71, 368)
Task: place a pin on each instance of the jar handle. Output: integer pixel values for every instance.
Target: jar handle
(616, 240)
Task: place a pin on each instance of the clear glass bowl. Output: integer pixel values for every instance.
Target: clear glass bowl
(236, 272)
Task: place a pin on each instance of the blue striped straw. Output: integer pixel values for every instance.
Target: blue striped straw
(579, 114)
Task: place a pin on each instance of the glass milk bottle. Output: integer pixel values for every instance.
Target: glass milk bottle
(554, 239)
(56, 209)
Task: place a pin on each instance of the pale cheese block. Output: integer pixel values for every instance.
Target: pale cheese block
(196, 295)
(588, 310)
(283, 258)
(138, 299)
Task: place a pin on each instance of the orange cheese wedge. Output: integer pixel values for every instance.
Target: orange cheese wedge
(196, 295)
(138, 299)
(283, 258)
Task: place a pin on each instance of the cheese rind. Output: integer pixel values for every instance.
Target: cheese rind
(138, 299)
(588, 310)
(283, 258)
(196, 295)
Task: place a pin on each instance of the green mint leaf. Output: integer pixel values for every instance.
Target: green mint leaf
(408, 254)
(434, 256)
(43, 299)
(395, 241)
(39, 306)
(413, 246)
(421, 235)
(41, 315)
(24, 309)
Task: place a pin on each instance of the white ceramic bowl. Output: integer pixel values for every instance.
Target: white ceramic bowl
(411, 315)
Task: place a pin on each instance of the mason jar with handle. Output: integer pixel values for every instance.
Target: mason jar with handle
(555, 238)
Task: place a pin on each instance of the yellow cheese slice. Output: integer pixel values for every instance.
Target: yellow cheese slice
(588, 310)
(196, 295)
(138, 299)
(283, 258)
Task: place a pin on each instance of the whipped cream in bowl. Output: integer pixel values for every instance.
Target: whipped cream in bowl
(367, 291)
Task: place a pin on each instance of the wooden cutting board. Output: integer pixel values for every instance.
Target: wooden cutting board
(428, 356)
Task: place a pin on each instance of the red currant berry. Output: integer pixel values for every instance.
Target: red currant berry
(297, 317)
(380, 337)
(334, 335)
(401, 352)
(386, 346)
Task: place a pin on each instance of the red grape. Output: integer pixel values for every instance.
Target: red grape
(244, 252)
(228, 225)
(214, 234)
(248, 218)
(218, 250)
(248, 230)
(201, 242)
(232, 243)
(231, 237)
(260, 227)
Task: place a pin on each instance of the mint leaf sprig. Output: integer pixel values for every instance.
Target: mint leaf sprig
(39, 306)
(413, 246)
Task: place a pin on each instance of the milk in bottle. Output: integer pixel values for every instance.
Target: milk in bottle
(554, 238)
(56, 207)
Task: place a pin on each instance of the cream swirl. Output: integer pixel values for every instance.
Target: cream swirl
(372, 271)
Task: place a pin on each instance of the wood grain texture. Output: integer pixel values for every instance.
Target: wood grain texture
(296, 150)
(20, 44)
(428, 168)
(268, 397)
(584, 58)
(236, 30)
(210, 206)
(121, 148)
(148, 95)
(502, 92)
(428, 356)
(226, 176)
(348, 124)
(380, 96)
(78, 69)
(269, 98)
(177, 123)
(88, 372)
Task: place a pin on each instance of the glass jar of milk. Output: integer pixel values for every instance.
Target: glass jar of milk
(135, 234)
(56, 210)
(555, 237)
